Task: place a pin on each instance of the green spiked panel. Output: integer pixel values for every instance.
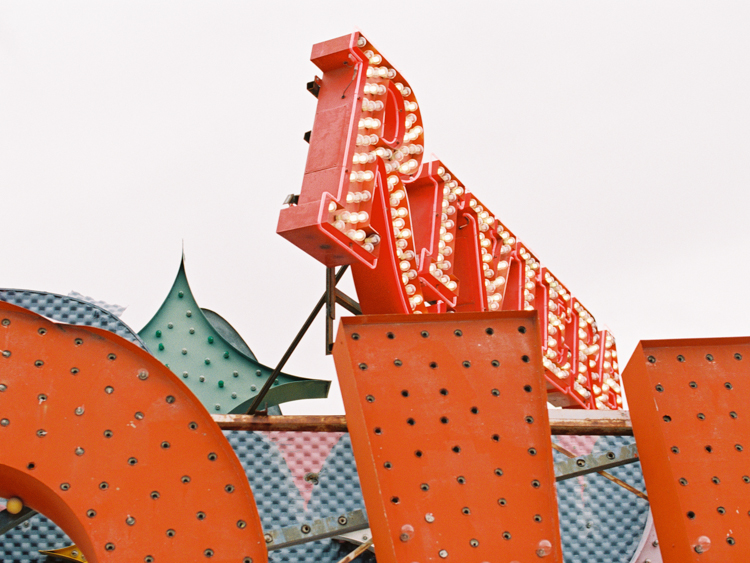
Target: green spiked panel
(224, 376)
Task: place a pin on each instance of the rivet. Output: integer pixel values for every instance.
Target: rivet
(170, 325)
(201, 379)
(221, 384)
(443, 554)
(210, 339)
(79, 451)
(253, 388)
(188, 313)
(6, 322)
(4, 422)
(184, 375)
(180, 294)
(3, 387)
(429, 517)
(143, 375)
(109, 389)
(79, 411)
(161, 346)
(217, 406)
(130, 520)
(139, 415)
(6, 353)
(651, 360)
(191, 330)
(41, 433)
(258, 372)
(268, 538)
(184, 351)
(207, 360)
(158, 334)
(235, 374)
(170, 399)
(226, 355)
(355, 336)
(234, 395)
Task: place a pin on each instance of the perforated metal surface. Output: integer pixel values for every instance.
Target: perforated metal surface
(108, 443)
(599, 521)
(70, 310)
(225, 378)
(448, 418)
(690, 408)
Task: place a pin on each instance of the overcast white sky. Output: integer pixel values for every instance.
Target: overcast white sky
(612, 137)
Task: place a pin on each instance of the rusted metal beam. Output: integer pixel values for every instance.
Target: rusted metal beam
(562, 423)
(590, 423)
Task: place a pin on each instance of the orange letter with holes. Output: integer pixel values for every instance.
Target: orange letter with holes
(103, 439)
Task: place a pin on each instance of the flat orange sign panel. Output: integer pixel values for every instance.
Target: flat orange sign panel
(690, 408)
(103, 439)
(450, 432)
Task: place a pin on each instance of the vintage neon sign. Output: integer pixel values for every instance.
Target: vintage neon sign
(417, 239)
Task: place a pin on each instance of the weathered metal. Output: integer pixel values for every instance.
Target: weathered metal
(583, 465)
(102, 438)
(449, 426)
(690, 407)
(316, 530)
(418, 239)
(562, 423)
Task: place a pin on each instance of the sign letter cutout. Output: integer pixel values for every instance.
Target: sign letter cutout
(419, 241)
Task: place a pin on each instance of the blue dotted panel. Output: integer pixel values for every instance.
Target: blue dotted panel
(69, 310)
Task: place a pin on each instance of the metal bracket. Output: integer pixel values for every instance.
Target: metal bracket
(316, 530)
(575, 467)
(9, 521)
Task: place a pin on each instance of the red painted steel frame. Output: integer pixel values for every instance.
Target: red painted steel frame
(418, 240)
(690, 409)
(102, 438)
(450, 432)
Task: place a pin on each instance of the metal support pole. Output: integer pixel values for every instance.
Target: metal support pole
(330, 308)
(292, 347)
